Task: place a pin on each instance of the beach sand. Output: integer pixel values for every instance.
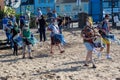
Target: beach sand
(65, 66)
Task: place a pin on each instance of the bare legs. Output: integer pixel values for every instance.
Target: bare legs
(89, 57)
(59, 47)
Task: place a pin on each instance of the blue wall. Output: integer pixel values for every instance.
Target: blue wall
(96, 10)
(44, 6)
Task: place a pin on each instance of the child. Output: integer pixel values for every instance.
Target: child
(26, 34)
(55, 39)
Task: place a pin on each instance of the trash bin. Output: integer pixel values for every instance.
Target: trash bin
(82, 19)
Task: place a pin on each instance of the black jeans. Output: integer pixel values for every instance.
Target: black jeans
(15, 52)
(42, 34)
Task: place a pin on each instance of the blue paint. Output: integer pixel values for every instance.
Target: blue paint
(95, 10)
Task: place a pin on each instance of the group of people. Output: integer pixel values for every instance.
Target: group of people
(55, 24)
(90, 33)
(20, 35)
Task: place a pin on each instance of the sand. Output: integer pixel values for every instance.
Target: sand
(66, 66)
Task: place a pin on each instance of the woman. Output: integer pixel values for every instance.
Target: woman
(56, 37)
(88, 35)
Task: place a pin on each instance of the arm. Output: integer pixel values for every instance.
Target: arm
(83, 36)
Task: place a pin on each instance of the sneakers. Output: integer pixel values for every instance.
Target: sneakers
(108, 56)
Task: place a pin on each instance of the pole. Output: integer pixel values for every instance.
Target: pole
(112, 6)
(20, 7)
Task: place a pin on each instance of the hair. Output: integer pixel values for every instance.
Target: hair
(107, 15)
(90, 20)
(42, 16)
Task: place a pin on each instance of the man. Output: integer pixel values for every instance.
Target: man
(105, 30)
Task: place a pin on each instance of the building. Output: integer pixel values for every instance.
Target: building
(25, 5)
(111, 7)
(71, 7)
(35, 4)
(1, 4)
(45, 5)
(98, 8)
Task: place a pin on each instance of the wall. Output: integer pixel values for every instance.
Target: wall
(44, 6)
(71, 9)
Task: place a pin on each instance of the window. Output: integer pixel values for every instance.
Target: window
(58, 8)
(110, 3)
(47, 1)
(67, 8)
(105, 4)
(41, 1)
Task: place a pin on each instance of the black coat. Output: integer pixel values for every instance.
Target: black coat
(42, 23)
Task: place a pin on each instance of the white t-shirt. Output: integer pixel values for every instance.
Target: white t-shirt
(54, 29)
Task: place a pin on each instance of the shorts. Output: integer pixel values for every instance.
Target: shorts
(54, 41)
(106, 41)
(89, 46)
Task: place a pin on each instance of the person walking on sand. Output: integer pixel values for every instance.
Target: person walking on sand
(105, 31)
(42, 29)
(88, 35)
(56, 37)
(26, 35)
